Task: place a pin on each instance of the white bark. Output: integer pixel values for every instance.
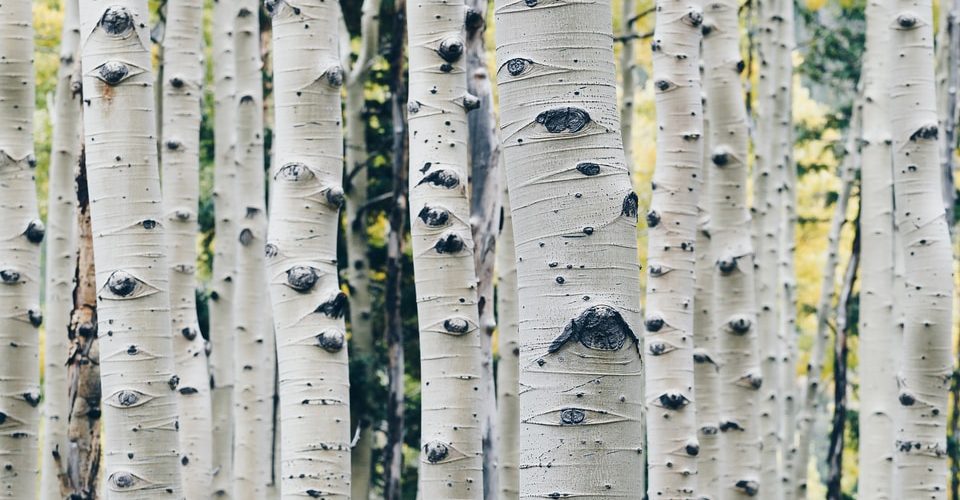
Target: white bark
(878, 327)
(20, 235)
(574, 217)
(508, 344)
(61, 255)
(307, 194)
(668, 340)
(136, 350)
(732, 257)
(253, 345)
(628, 84)
(224, 261)
(925, 371)
(451, 462)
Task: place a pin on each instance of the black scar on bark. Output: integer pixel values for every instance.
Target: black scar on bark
(720, 158)
(630, 203)
(907, 21)
(572, 416)
(116, 21)
(740, 325)
(907, 399)
(657, 348)
(246, 236)
(173, 382)
(113, 72)
(441, 178)
(701, 357)
(470, 102)
(335, 197)
(692, 449)
(3, 418)
(176, 82)
(148, 224)
(9, 276)
(588, 169)
(562, 119)
(330, 341)
(122, 479)
(449, 243)
(753, 380)
(727, 265)
(694, 18)
(335, 307)
(35, 317)
(653, 218)
(413, 107)
(518, 65)
(673, 400)
(312, 493)
(32, 398)
(270, 250)
(434, 216)
(35, 231)
(127, 398)
(927, 132)
(450, 50)
(435, 451)
(599, 327)
(741, 66)
(446, 67)
(653, 323)
(748, 487)
(189, 333)
(188, 390)
(730, 425)
(294, 172)
(473, 19)
(334, 76)
(122, 283)
(456, 326)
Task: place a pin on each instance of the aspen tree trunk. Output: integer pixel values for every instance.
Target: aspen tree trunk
(574, 216)
(61, 255)
(180, 166)
(810, 400)
(137, 366)
(253, 362)
(732, 257)
(627, 65)
(450, 352)
(84, 476)
(705, 338)
(949, 55)
(508, 370)
(222, 333)
(21, 233)
(357, 272)
(307, 194)
(668, 340)
(920, 455)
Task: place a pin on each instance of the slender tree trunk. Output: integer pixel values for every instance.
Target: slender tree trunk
(485, 207)
(358, 270)
(950, 55)
(137, 365)
(508, 370)
(924, 376)
(877, 330)
(308, 305)
(222, 333)
(628, 58)
(180, 166)
(668, 341)
(450, 352)
(574, 217)
(83, 364)
(21, 233)
(840, 351)
(61, 255)
(393, 450)
(253, 361)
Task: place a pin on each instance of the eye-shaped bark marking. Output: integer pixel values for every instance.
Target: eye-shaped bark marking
(659, 348)
(572, 416)
(413, 107)
(186, 391)
(692, 449)
(128, 399)
(35, 231)
(173, 382)
(335, 307)
(751, 381)
(435, 451)
(599, 327)
(456, 326)
(113, 72)
(739, 325)
(9, 276)
(189, 333)
(562, 119)
(434, 216)
(701, 357)
(470, 102)
(673, 400)
(3, 418)
(727, 265)
(907, 20)
(907, 399)
(630, 203)
(334, 76)
(664, 85)
(335, 197)
(442, 178)
(32, 398)
(123, 480)
(741, 66)
(116, 21)
(653, 218)
(450, 49)
(653, 323)
(148, 224)
(531, 3)
(35, 317)
(748, 487)
(720, 158)
(270, 250)
(331, 342)
(246, 237)
(449, 243)
(518, 66)
(294, 172)
(588, 169)
(122, 283)
(926, 132)
(473, 19)
(730, 425)
(693, 18)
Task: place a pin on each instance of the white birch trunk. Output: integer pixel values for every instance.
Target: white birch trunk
(628, 82)
(924, 376)
(878, 327)
(451, 381)
(307, 194)
(508, 370)
(61, 255)
(21, 233)
(253, 359)
(668, 340)
(222, 333)
(574, 217)
(133, 308)
(182, 88)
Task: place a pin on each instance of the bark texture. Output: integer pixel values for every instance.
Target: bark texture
(137, 374)
(180, 165)
(574, 215)
(61, 255)
(920, 455)
(627, 67)
(308, 306)
(224, 258)
(508, 344)
(443, 253)
(21, 233)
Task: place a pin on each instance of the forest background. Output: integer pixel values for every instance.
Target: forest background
(830, 46)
